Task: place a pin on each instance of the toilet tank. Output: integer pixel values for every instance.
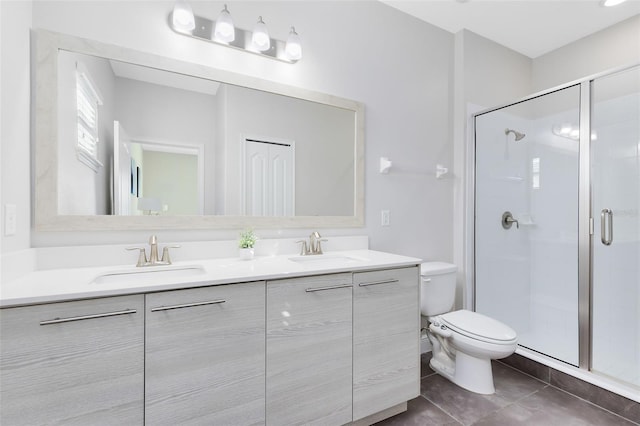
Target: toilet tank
(437, 287)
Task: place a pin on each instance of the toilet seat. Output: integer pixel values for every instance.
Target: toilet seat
(479, 327)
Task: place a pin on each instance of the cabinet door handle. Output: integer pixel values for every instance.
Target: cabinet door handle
(378, 282)
(331, 287)
(86, 317)
(187, 305)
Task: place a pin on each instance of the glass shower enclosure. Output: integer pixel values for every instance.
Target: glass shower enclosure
(557, 224)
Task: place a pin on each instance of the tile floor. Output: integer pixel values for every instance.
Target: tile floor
(519, 400)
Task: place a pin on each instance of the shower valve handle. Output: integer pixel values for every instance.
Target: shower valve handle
(508, 221)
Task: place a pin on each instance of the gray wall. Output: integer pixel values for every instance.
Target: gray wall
(416, 102)
(15, 20)
(613, 47)
(406, 92)
(486, 74)
(164, 114)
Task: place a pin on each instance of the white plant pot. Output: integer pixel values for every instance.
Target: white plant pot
(246, 253)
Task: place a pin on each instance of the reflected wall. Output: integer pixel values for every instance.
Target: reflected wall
(171, 113)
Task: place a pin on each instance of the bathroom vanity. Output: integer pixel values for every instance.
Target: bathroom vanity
(277, 340)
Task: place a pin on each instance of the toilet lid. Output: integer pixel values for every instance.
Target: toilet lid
(478, 326)
(437, 268)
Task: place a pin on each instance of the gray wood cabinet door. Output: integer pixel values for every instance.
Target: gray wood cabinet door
(205, 356)
(386, 339)
(73, 363)
(309, 350)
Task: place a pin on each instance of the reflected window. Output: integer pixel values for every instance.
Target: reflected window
(88, 100)
(535, 173)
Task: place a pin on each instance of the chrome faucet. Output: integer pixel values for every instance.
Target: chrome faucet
(314, 246)
(153, 250)
(314, 243)
(153, 254)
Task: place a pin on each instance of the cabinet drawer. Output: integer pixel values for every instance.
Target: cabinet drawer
(73, 362)
(205, 355)
(386, 339)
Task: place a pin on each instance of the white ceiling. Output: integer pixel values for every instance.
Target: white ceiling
(531, 27)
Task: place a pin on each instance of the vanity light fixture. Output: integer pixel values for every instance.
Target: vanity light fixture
(224, 33)
(224, 29)
(569, 131)
(293, 46)
(260, 36)
(566, 130)
(182, 16)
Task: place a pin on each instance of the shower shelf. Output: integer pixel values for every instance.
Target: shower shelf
(527, 222)
(525, 219)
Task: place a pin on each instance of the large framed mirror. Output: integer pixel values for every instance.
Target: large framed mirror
(130, 140)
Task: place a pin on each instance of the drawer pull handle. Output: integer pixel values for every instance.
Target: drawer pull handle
(187, 305)
(86, 317)
(331, 287)
(378, 282)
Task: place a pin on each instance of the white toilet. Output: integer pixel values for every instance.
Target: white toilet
(463, 342)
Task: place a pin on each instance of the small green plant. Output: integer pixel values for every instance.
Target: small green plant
(247, 239)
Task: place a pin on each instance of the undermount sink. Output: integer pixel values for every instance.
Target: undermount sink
(149, 274)
(325, 258)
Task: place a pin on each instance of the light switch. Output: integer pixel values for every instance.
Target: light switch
(385, 221)
(10, 219)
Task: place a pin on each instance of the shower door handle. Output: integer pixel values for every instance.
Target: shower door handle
(606, 226)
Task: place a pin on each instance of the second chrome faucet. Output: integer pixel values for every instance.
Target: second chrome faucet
(314, 246)
(153, 254)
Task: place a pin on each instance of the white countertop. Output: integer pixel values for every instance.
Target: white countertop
(56, 285)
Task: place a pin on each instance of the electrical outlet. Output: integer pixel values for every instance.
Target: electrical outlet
(385, 221)
(10, 219)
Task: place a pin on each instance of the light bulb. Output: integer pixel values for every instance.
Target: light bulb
(182, 16)
(260, 37)
(224, 31)
(293, 48)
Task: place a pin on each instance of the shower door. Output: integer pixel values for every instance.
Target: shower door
(615, 195)
(526, 224)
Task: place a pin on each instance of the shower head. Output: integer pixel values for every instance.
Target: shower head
(518, 135)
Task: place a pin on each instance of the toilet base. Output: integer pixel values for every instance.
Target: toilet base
(473, 374)
(468, 372)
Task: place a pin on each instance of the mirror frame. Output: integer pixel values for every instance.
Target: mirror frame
(45, 201)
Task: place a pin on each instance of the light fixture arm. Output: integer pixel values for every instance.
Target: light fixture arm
(204, 29)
